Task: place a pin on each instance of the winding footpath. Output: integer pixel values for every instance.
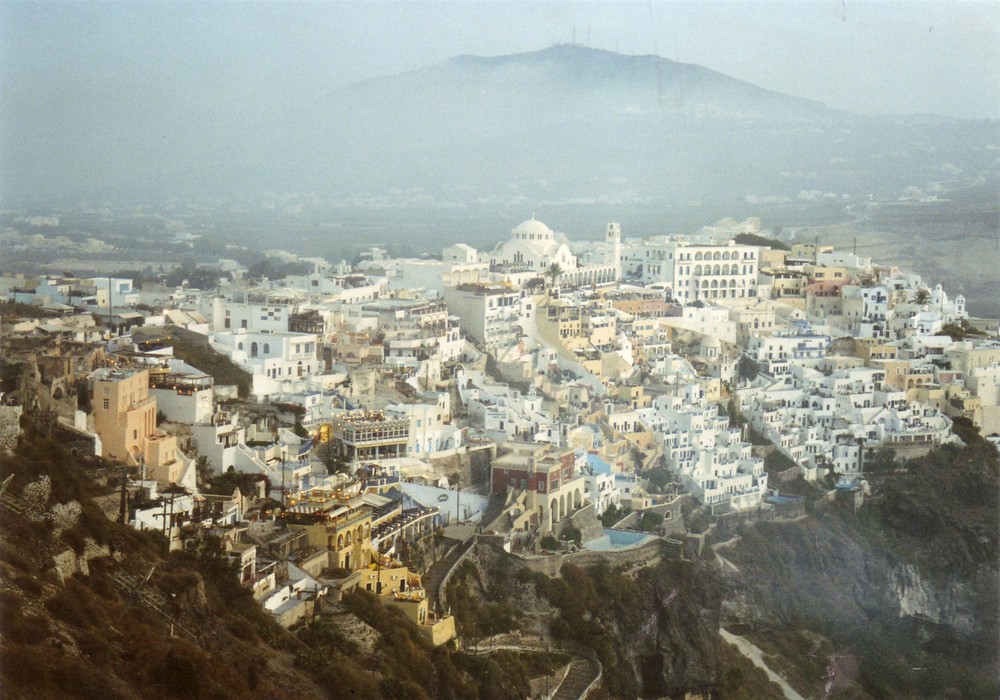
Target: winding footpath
(757, 657)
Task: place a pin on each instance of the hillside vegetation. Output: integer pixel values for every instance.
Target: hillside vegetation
(899, 599)
(98, 636)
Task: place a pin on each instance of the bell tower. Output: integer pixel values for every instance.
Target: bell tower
(613, 246)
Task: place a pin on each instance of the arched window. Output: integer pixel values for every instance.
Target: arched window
(253, 350)
(267, 348)
(697, 269)
(697, 256)
(716, 270)
(240, 346)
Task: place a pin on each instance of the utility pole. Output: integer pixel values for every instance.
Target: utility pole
(123, 502)
(163, 525)
(170, 528)
(111, 307)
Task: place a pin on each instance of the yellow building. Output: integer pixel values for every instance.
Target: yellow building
(337, 521)
(634, 396)
(125, 422)
(402, 589)
(827, 273)
(905, 375)
(567, 320)
(124, 413)
(786, 286)
(873, 350)
(808, 251)
(771, 258)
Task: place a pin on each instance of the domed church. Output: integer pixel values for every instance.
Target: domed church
(535, 246)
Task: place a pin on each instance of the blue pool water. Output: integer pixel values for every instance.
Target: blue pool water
(783, 499)
(617, 539)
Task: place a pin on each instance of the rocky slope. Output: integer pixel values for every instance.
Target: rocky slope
(653, 624)
(91, 608)
(898, 599)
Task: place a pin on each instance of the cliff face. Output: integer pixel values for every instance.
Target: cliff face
(653, 624)
(906, 587)
(89, 608)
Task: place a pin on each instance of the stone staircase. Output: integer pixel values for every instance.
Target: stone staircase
(433, 581)
(582, 676)
(253, 460)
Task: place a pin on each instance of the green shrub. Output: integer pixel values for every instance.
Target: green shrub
(651, 522)
(571, 533)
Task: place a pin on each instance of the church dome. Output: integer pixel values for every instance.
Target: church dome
(532, 227)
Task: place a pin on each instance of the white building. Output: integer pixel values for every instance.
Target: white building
(712, 459)
(271, 357)
(796, 343)
(460, 253)
(431, 429)
(534, 247)
(182, 396)
(494, 316)
(693, 272)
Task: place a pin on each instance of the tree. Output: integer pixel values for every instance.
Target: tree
(553, 272)
(762, 241)
(331, 460)
(534, 284)
(571, 533)
(747, 368)
(922, 295)
(203, 468)
(658, 479)
(638, 456)
(882, 459)
(612, 514)
(651, 522)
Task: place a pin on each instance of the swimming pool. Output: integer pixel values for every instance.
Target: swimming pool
(613, 540)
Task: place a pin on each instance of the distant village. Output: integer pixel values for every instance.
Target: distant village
(358, 426)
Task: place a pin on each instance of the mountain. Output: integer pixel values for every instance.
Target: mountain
(565, 79)
(574, 123)
(567, 114)
(567, 124)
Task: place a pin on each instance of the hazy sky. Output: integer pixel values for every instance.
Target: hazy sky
(870, 57)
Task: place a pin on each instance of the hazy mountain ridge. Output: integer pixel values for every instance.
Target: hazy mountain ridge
(561, 123)
(570, 121)
(647, 82)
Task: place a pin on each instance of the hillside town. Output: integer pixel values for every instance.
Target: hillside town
(358, 425)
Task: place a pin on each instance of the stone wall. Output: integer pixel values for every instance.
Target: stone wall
(585, 521)
(472, 464)
(787, 475)
(551, 565)
(110, 505)
(67, 562)
(75, 440)
(673, 520)
(10, 426)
